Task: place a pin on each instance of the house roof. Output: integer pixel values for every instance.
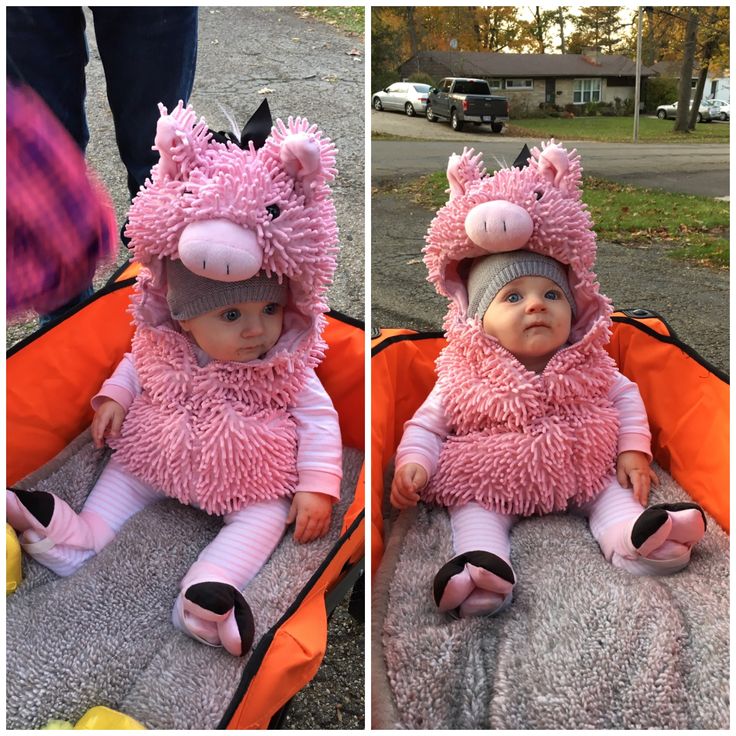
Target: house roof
(672, 69)
(486, 64)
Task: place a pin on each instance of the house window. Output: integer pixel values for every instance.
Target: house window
(519, 84)
(586, 90)
(495, 83)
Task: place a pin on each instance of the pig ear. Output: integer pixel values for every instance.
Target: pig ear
(180, 141)
(300, 155)
(463, 171)
(166, 143)
(558, 167)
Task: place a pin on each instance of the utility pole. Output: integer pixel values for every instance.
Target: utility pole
(637, 90)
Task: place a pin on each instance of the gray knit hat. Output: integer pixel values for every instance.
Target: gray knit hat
(190, 295)
(489, 274)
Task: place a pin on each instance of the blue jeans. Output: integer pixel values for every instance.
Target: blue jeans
(148, 55)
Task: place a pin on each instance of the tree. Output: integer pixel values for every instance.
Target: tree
(538, 28)
(713, 36)
(561, 18)
(599, 26)
(386, 46)
(682, 123)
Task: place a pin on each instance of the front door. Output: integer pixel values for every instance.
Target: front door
(549, 91)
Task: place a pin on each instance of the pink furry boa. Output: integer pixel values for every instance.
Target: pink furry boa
(520, 442)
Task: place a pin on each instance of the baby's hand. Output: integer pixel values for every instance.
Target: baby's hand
(408, 479)
(110, 414)
(633, 471)
(312, 512)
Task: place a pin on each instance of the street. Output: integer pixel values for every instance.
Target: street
(686, 168)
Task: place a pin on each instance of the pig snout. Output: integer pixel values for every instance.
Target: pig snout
(220, 250)
(499, 226)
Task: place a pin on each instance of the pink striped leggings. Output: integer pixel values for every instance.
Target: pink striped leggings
(610, 516)
(237, 553)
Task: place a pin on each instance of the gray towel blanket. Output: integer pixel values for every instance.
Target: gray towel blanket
(103, 636)
(583, 646)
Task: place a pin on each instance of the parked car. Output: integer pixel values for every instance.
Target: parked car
(407, 96)
(670, 111)
(719, 109)
(462, 100)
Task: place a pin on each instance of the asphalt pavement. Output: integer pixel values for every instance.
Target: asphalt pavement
(310, 69)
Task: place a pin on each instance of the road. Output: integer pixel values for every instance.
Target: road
(685, 168)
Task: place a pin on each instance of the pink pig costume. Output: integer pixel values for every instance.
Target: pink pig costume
(234, 439)
(499, 441)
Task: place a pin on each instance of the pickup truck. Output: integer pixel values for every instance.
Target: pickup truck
(462, 100)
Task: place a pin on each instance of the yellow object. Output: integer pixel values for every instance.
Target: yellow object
(12, 560)
(98, 718)
(105, 719)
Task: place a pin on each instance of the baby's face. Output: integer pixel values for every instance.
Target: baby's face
(239, 332)
(531, 318)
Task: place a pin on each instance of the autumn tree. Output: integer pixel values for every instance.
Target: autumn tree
(597, 26)
(537, 29)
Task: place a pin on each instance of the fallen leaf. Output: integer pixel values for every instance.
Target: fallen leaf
(354, 52)
(264, 91)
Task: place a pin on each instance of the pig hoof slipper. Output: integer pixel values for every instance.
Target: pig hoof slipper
(475, 583)
(217, 614)
(683, 523)
(25, 509)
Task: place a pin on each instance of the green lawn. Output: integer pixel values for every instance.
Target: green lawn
(349, 18)
(629, 215)
(616, 130)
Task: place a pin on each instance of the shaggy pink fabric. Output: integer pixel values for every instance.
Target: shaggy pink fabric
(522, 443)
(200, 179)
(222, 430)
(220, 436)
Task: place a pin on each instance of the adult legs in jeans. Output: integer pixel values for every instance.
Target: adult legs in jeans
(149, 56)
(47, 50)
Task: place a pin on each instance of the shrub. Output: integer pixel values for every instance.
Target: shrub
(659, 91)
(383, 79)
(421, 78)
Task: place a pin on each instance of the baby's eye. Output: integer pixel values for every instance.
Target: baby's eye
(274, 210)
(272, 308)
(513, 297)
(551, 294)
(231, 315)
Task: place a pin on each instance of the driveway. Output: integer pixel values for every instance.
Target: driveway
(701, 169)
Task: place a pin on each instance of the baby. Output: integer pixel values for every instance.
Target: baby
(529, 414)
(217, 405)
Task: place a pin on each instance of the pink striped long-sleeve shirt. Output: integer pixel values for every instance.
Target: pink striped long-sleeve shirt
(425, 432)
(319, 453)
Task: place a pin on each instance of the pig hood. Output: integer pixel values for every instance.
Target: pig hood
(229, 208)
(535, 205)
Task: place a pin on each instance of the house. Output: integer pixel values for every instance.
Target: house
(530, 80)
(716, 88)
